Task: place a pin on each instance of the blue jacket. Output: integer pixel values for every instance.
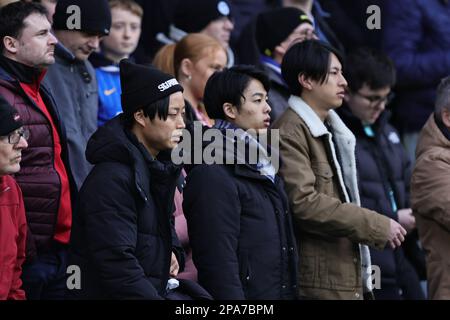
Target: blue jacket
(415, 35)
(109, 90)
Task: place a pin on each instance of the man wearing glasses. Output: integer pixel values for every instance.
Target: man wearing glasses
(13, 225)
(384, 169)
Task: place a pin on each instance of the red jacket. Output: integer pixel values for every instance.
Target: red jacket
(13, 232)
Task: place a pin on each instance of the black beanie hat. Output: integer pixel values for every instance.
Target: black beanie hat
(9, 118)
(95, 16)
(273, 27)
(194, 15)
(142, 85)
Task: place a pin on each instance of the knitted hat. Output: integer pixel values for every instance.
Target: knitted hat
(94, 16)
(194, 15)
(142, 85)
(9, 118)
(275, 26)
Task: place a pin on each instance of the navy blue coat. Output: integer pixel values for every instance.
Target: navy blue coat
(383, 164)
(240, 232)
(122, 234)
(416, 37)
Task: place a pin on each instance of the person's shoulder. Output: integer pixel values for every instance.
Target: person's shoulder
(10, 186)
(287, 119)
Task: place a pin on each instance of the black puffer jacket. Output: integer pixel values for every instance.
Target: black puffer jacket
(122, 235)
(383, 165)
(240, 232)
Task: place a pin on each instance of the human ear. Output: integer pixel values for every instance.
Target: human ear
(305, 81)
(230, 110)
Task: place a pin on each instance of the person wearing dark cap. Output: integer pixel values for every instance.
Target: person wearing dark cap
(293, 25)
(211, 17)
(13, 225)
(72, 78)
(123, 238)
(49, 192)
(50, 5)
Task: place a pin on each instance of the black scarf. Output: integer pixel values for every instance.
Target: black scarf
(19, 71)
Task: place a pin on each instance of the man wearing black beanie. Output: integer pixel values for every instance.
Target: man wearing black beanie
(293, 25)
(122, 236)
(13, 225)
(78, 25)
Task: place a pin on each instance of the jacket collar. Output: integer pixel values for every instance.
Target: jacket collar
(356, 126)
(21, 72)
(445, 131)
(313, 122)
(64, 53)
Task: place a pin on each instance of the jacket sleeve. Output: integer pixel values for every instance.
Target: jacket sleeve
(5, 245)
(404, 35)
(110, 217)
(12, 249)
(430, 190)
(177, 248)
(212, 209)
(16, 293)
(322, 214)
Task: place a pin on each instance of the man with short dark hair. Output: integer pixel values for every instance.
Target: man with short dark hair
(384, 168)
(123, 239)
(240, 227)
(72, 78)
(45, 177)
(293, 25)
(318, 166)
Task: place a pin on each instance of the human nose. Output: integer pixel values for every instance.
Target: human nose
(343, 81)
(229, 25)
(268, 107)
(180, 123)
(126, 33)
(52, 39)
(22, 144)
(94, 42)
(380, 104)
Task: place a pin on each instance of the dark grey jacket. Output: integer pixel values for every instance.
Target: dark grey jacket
(74, 88)
(278, 95)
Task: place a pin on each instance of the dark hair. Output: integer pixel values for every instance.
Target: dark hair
(311, 58)
(368, 66)
(12, 17)
(159, 107)
(229, 85)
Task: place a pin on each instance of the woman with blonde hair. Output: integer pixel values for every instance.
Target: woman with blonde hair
(192, 61)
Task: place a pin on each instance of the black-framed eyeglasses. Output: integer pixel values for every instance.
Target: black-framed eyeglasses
(14, 137)
(376, 100)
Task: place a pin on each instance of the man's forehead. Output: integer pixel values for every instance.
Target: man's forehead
(36, 21)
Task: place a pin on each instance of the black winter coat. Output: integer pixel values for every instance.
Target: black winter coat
(122, 235)
(384, 165)
(240, 232)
